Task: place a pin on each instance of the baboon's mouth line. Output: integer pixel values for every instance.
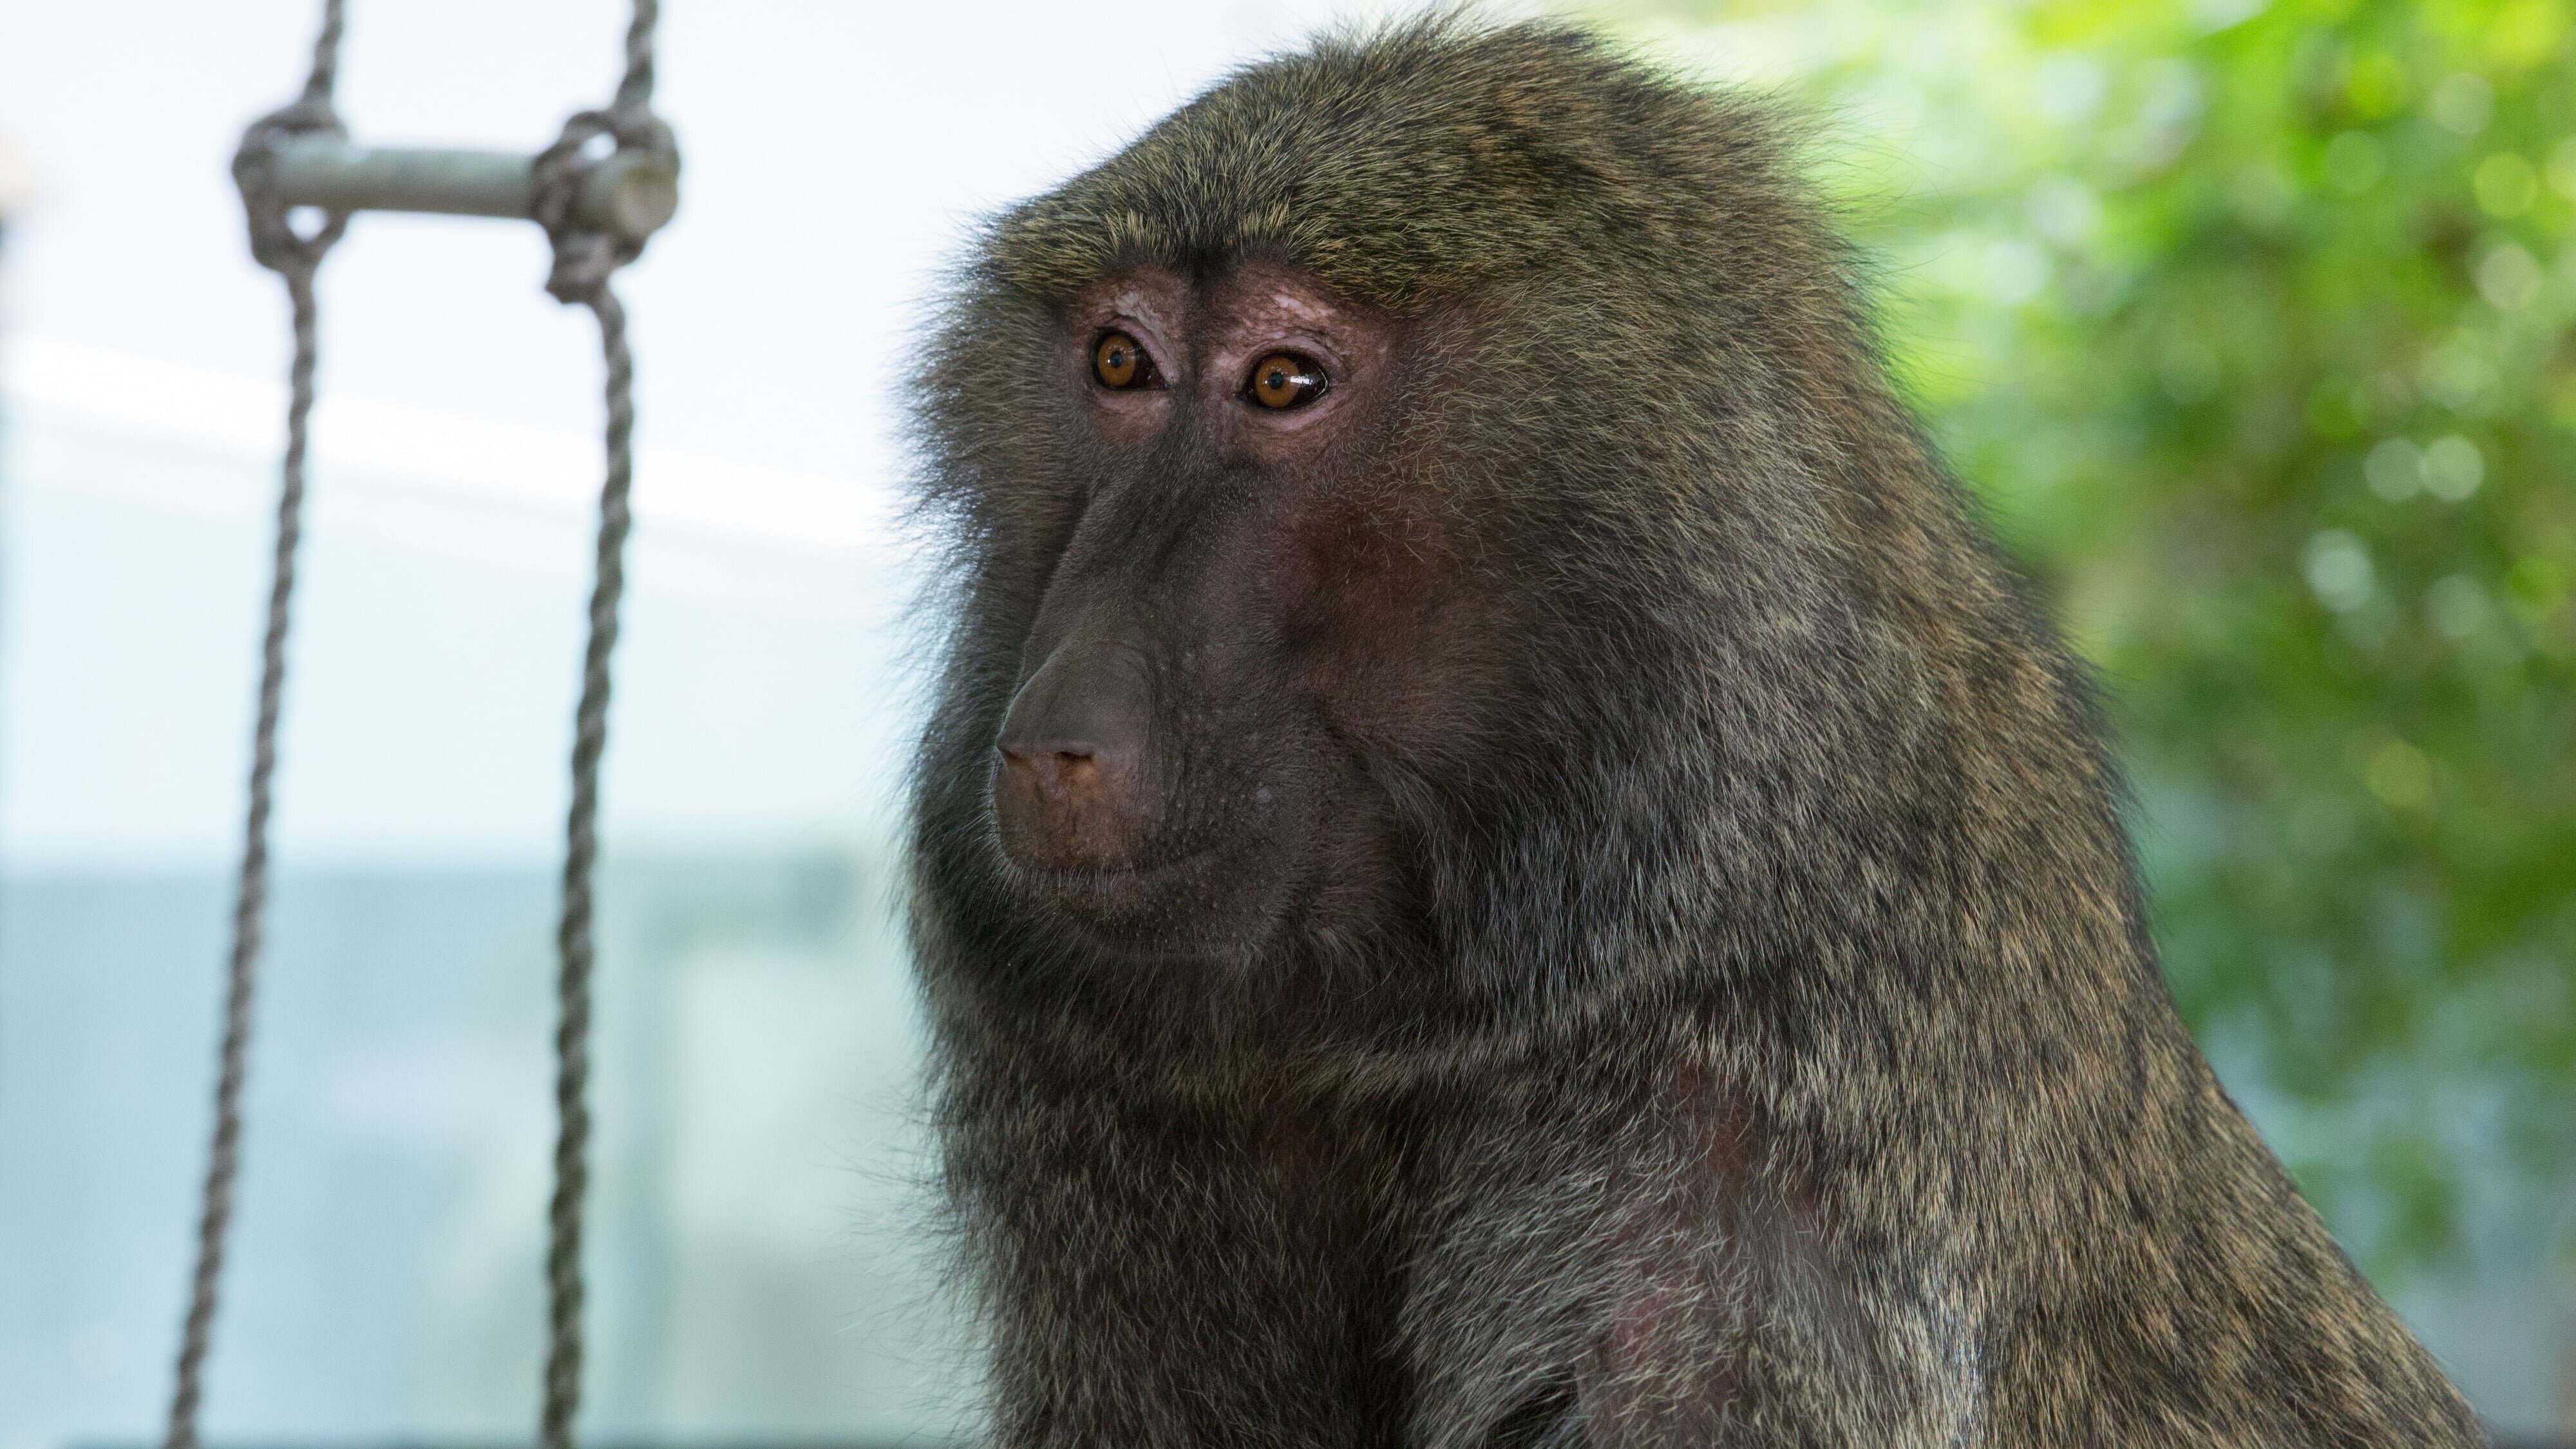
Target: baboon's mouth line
(1116, 888)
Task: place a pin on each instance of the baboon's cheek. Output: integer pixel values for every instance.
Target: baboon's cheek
(1380, 593)
(1426, 677)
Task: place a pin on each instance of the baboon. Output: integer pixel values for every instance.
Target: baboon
(1499, 862)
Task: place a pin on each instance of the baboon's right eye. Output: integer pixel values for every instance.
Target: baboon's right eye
(1117, 361)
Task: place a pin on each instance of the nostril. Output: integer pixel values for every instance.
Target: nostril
(1069, 774)
(1078, 776)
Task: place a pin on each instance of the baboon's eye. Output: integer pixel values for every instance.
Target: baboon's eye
(1284, 380)
(1118, 362)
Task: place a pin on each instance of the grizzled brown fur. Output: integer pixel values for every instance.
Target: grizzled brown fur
(1619, 931)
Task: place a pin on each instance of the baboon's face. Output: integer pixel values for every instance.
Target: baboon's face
(1253, 627)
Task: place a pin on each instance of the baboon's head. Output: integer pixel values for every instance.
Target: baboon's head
(1372, 490)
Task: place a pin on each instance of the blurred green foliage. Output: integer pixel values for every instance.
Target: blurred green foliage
(2252, 326)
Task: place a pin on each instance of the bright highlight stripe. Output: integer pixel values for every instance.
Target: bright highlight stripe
(245, 418)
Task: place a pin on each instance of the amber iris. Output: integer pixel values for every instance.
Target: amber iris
(1285, 380)
(1118, 362)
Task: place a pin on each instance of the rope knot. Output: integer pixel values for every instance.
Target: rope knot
(599, 202)
(274, 241)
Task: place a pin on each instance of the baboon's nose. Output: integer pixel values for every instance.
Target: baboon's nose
(1069, 793)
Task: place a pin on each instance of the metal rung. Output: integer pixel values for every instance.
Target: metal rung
(631, 193)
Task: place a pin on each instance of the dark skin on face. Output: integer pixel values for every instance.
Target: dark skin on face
(1250, 629)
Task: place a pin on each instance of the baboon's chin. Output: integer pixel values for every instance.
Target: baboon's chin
(1208, 906)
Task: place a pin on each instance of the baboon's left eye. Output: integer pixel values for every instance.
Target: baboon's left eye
(1284, 380)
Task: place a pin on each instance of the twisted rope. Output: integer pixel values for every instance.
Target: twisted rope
(635, 90)
(296, 258)
(250, 899)
(584, 259)
(581, 854)
(326, 56)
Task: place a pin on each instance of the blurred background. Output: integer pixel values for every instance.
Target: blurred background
(2249, 324)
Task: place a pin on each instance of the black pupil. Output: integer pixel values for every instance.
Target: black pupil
(1117, 358)
(1278, 379)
